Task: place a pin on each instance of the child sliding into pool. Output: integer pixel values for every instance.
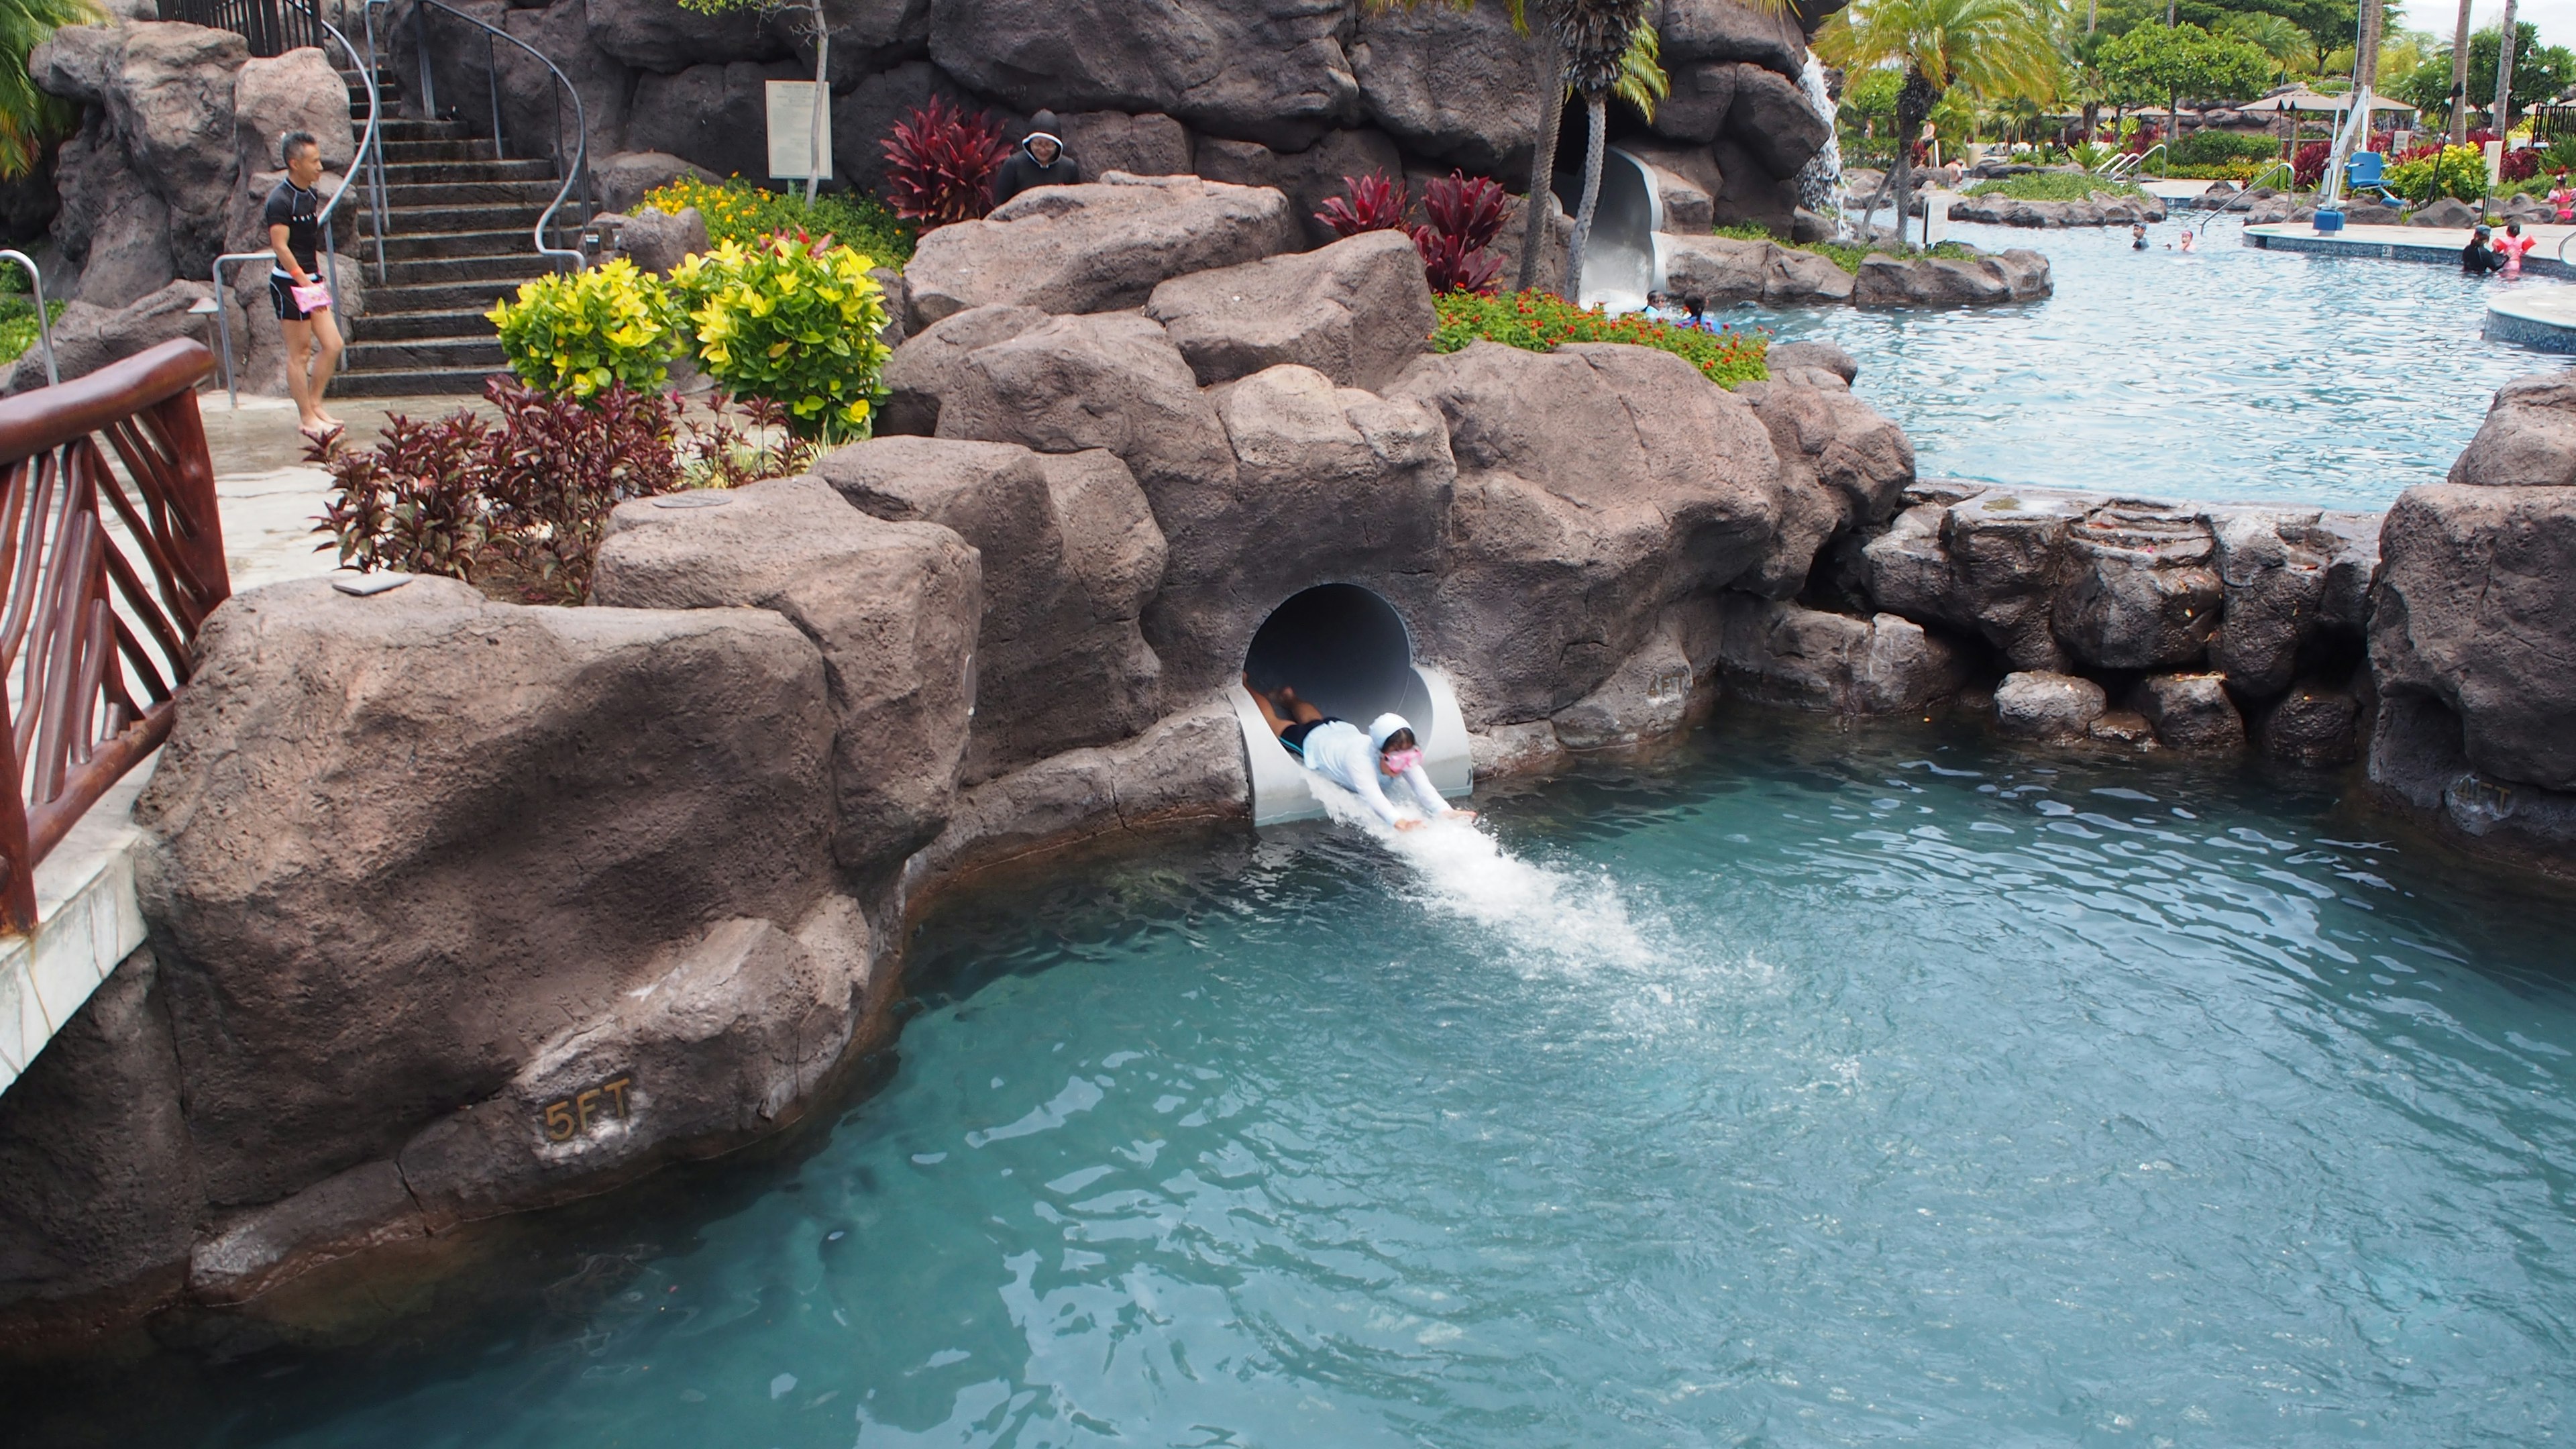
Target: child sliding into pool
(1336, 750)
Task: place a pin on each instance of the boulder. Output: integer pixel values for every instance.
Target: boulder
(668, 39)
(1357, 311)
(1307, 178)
(103, 1193)
(2123, 727)
(2190, 711)
(1652, 695)
(297, 91)
(2041, 705)
(2476, 609)
(1703, 93)
(1188, 766)
(87, 338)
(1841, 466)
(1988, 564)
(2314, 723)
(724, 1038)
(1825, 357)
(622, 179)
(867, 36)
(1111, 381)
(1149, 145)
(112, 228)
(1733, 269)
(2273, 566)
(168, 96)
(1886, 281)
(657, 241)
(865, 115)
(1271, 71)
(1596, 483)
(1456, 85)
(1094, 248)
(398, 843)
(538, 115)
(1772, 119)
(2139, 590)
(924, 368)
(715, 114)
(1059, 661)
(245, 1254)
(2528, 439)
(1506, 750)
(1783, 653)
(1685, 179)
(1324, 484)
(1723, 30)
(2449, 212)
(2417, 759)
(893, 606)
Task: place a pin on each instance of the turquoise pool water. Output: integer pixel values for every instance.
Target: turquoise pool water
(1797, 1089)
(2230, 374)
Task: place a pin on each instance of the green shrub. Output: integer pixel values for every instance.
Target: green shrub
(2209, 147)
(1538, 321)
(1846, 255)
(793, 322)
(2052, 186)
(577, 332)
(18, 322)
(2458, 171)
(738, 211)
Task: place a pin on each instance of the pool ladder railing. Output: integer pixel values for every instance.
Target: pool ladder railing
(2218, 209)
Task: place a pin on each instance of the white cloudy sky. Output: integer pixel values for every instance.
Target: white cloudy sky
(2556, 18)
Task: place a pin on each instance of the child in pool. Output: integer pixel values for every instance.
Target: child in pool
(2514, 247)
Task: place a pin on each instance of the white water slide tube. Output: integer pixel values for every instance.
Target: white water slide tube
(1622, 261)
(1346, 651)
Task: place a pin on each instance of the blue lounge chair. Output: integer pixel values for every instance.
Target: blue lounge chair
(2361, 172)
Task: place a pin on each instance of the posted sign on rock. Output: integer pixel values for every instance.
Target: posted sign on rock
(792, 133)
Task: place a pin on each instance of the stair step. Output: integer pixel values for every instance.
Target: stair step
(471, 193)
(397, 128)
(403, 220)
(410, 246)
(399, 172)
(423, 355)
(424, 382)
(512, 268)
(476, 296)
(400, 152)
(382, 326)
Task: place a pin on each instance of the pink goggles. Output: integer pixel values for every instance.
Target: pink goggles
(1399, 761)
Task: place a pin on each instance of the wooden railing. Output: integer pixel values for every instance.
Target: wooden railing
(107, 572)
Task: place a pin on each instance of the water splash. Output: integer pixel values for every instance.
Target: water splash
(1820, 181)
(1535, 910)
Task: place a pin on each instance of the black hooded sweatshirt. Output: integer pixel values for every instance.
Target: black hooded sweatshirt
(1023, 170)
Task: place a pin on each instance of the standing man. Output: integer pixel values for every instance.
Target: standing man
(295, 284)
(1040, 161)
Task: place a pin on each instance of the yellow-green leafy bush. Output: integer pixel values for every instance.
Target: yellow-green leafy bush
(577, 332)
(792, 322)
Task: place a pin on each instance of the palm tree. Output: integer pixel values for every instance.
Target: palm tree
(1637, 77)
(1634, 73)
(28, 116)
(1993, 48)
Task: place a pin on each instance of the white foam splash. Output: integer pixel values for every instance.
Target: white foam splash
(1465, 873)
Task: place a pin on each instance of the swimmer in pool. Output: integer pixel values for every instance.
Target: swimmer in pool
(1336, 750)
(2137, 236)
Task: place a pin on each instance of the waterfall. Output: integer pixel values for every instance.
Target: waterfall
(1820, 181)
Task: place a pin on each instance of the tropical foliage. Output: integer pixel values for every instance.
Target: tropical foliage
(940, 163)
(2160, 64)
(30, 120)
(1538, 321)
(1466, 215)
(791, 320)
(2539, 73)
(736, 210)
(579, 332)
(1990, 48)
(2431, 172)
(1374, 202)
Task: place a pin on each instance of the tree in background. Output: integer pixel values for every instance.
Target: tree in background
(1990, 48)
(2539, 73)
(819, 26)
(2328, 24)
(2291, 49)
(29, 118)
(1597, 37)
(2184, 60)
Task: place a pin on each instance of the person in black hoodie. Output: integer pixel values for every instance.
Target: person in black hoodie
(1040, 161)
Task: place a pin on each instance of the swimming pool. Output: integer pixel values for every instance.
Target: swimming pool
(1796, 1089)
(2230, 374)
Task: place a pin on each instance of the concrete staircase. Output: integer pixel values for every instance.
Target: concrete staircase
(457, 226)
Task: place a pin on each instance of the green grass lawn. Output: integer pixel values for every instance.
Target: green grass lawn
(2053, 186)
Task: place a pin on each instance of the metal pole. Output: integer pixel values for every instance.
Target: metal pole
(428, 88)
(492, 81)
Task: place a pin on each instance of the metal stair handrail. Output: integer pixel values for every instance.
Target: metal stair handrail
(576, 172)
(371, 144)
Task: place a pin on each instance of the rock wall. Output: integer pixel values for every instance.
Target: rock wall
(1292, 94)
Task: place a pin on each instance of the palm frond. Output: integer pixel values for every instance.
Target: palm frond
(29, 117)
(1642, 81)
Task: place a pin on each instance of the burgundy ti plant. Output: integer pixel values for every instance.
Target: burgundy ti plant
(940, 164)
(1375, 203)
(1466, 215)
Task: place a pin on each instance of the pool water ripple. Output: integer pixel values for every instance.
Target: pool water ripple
(2231, 374)
(1961, 1099)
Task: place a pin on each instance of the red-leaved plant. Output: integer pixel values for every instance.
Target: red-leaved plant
(940, 164)
(1466, 215)
(1375, 203)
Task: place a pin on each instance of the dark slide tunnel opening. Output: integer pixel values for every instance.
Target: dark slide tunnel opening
(1346, 652)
